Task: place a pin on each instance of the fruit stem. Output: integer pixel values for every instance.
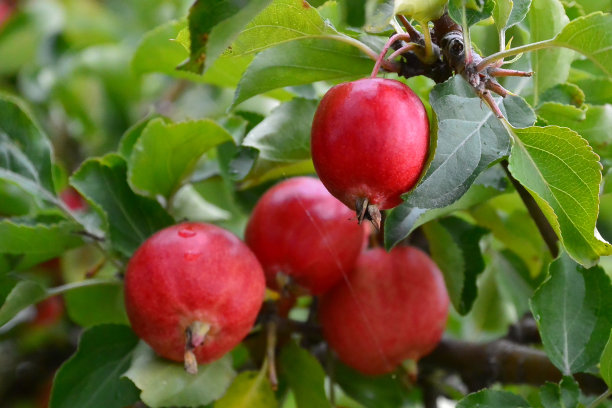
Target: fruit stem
(365, 210)
(381, 56)
(195, 334)
(271, 353)
(429, 54)
(411, 369)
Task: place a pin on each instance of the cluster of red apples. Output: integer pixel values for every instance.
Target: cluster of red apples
(193, 290)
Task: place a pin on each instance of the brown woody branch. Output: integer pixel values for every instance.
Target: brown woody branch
(507, 360)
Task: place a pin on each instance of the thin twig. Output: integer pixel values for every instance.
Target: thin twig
(546, 230)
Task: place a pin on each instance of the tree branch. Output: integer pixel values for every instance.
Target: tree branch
(501, 361)
(478, 364)
(546, 230)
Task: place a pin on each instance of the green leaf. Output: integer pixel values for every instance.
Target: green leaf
(129, 218)
(131, 136)
(483, 11)
(94, 305)
(566, 93)
(520, 8)
(47, 236)
(188, 204)
(514, 281)
(92, 376)
(373, 392)
(597, 90)
(265, 170)
(470, 138)
(557, 166)
(591, 36)
(302, 62)
(573, 310)
(166, 154)
(378, 15)
(305, 377)
(605, 366)
(404, 219)
(16, 295)
(165, 383)
(551, 66)
(213, 25)
(501, 14)
(454, 246)
(281, 21)
(251, 389)
(493, 399)
(25, 151)
(563, 395)
(284, 135)
(158, 52)
(594, 123)
(508, 220)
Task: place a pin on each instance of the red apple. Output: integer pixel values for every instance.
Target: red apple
(73, 199)
(48, 312)
(193, 291)
(392, 308)
(298, 230)
(370, 142)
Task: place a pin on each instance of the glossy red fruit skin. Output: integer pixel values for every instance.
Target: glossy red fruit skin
(370, 139)
(393, 308)
(299, 229)
(193, 272)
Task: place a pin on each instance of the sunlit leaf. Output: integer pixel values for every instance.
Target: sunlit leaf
(573, 310)
(557, 166)
(165, 383)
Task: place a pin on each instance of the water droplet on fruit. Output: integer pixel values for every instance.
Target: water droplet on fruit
(192, 255)
(186, 233)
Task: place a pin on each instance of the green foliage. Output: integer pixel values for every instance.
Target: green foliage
(26, 151)
(166, 154)
(250, 389)
(606, 363)
(556, 60)
(91, 377)
(213, 25)
(556, 176)
(165, 383)
(404, 219)
(591, 36)
(170, 110)
(305, 377)
(563, 395)
(302, 62)
(454, 246)
(474, 10)
(16, 295)
(573, 309)
(493, 399)
(372, 392)
(469, 139)
(128, 218)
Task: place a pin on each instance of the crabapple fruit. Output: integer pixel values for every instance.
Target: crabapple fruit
(392, 308)
(301, 232)
(369, 143)
(192, 292)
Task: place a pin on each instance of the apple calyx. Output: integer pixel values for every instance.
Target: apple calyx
(195, 334)
(288, 287)
(367, 211)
